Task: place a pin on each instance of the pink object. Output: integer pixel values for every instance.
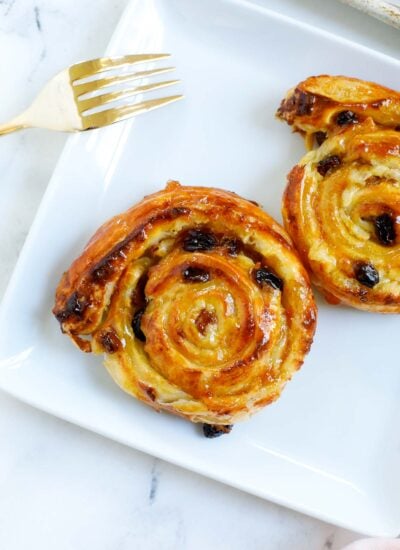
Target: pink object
(374, 544)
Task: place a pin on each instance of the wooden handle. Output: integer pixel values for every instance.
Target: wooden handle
(384, 11)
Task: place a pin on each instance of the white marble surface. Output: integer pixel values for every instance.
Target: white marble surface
(60, 486)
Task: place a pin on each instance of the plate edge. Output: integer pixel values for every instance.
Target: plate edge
(314, 29)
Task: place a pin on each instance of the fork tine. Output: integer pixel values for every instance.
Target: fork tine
(95, 66)
(99, 100)
(120, 113)
(94, 85)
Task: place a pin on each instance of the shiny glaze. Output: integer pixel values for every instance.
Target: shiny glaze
(215, 348)
(332, 217)
(315, 105)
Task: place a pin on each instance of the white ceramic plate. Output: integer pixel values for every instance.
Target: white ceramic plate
(330, 446)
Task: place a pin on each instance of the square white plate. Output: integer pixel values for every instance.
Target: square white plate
(330, 446)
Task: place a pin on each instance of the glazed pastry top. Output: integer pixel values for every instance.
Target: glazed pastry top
(198, 300)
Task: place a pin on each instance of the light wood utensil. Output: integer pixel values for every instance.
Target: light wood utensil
(387, 12)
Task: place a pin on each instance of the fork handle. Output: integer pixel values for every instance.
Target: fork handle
(13, 125)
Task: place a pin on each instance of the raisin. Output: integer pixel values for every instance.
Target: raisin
(320, 137)
(366, 274)
(136, 322)
(196, 275)
(110, 341)
(328, 165)
(150, 392)
(346, 117)
(76, 305)
(233, 246)
(213, 430)
(199, 240)
(384, 229)
(265, 276)
(138, 296)
(305, 103)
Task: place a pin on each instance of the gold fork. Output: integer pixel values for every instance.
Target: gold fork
(67, 101)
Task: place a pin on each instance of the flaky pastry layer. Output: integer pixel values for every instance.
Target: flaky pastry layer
(323, 105)
(198, 301)
(342, 209)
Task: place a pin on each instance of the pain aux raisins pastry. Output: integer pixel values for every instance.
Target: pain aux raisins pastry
(342, 209)
(198, 301)
(342, 201)
(323, 105)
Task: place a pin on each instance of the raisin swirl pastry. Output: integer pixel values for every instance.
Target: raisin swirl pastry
(342, 209)
(322, 105)
(198, 300)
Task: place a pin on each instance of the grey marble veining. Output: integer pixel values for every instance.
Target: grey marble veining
(60, 486)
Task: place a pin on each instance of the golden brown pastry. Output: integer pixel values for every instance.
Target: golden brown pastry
(322, 105)
(342, 209)
(198, 300)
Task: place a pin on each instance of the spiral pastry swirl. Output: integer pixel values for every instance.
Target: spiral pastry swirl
(321, 106)
(342, 209)
(198, 300)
